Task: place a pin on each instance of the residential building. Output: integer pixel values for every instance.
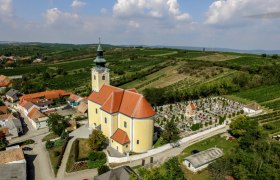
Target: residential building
(252, 109)
(13, 124)
(4, 110)
(82, 109)
(26, 107)
(37, 118)
(4, 82)
(124, 116)
(47, 95)
(120, 173)
(12, 164)
(13, 95)
(74, 100)
(201, 160)
(191, 109)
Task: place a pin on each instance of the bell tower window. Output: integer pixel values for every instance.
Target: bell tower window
(94, 77)
(103, 77)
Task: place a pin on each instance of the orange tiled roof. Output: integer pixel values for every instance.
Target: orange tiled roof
(82, 108)
(193, 106)
(127, 102)
(5, 116)
(101, 96)
(34, 114)
(4, 131)
(120, 136)
(74, 97)
(11, 155)
(4, 81)
(52, 94)
(4, 109)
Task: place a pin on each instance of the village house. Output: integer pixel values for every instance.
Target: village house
(13, 95)
(252, 109)
(13, 124)
(26, 107)
(82, 109)
(120, 173)
(191, 109)
(4, 82)
(4, 110)
(201, 160)
(12, 164)
(74, 100)
(124, 116)
(37, 118)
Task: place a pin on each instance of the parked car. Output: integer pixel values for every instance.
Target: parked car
(27, 148)
(195, 151)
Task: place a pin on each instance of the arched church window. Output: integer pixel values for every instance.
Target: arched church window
(103, 77)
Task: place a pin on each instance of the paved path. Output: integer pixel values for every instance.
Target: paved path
(163, 156)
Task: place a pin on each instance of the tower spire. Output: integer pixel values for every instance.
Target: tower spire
(99, 60)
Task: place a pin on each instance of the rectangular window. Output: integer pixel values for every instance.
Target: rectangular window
(103, 78)
(96, 111)
(112, 140)
(126, 146)
(125, 124)
(137, 142)
(105, 120)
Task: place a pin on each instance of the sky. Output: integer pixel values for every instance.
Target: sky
(238, 24)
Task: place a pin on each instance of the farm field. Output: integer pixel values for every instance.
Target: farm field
(270, 122)
(218, 57)
(250, 61)
(267, 96)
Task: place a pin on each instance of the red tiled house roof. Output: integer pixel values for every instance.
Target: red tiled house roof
(127, 102)
(53, 94)
(120, 136)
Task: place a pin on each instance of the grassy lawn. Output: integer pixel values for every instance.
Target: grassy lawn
(84, 148)
(50, 136)
(216, 141)
(238, 99)
(54, 153)
(202, 175)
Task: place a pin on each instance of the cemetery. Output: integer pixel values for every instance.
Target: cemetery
(202, 113)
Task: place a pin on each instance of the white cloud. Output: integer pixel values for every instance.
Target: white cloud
(77, 4)
(143, 8)
(233, 11)
(6, 7)
(133, 24)
(54, 15)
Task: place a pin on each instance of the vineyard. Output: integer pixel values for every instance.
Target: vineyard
(267, 96)
(270, 122)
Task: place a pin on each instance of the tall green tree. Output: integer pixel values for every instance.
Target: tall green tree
(97, 140)
(170, 133)
(57, 123)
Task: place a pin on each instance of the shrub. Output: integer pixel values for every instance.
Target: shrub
(28, 141)
(103, 169)
(96, 155)
(49, 144)
(64, 135)
(56, 153)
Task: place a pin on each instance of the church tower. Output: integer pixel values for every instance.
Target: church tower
(100, 74)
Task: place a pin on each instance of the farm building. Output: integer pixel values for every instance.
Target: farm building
(252, 109)
(12, 164)
(202, 159)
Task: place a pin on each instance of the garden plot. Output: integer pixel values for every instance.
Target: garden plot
(204, 112)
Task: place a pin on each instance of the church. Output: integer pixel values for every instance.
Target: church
(124, 116)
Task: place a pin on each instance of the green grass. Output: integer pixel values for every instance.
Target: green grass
(54, 154)
(84, 148)
(216, 141)
(96, 164)
(50, 136)
(261, 94)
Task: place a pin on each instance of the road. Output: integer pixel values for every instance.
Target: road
(163, 156)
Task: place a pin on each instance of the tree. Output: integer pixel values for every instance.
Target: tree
(49, 144)
(57, 123)
(3, 143)
(103, 169)
(170, 133)
(97, 140)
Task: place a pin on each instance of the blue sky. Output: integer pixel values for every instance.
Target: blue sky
(240, 24)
